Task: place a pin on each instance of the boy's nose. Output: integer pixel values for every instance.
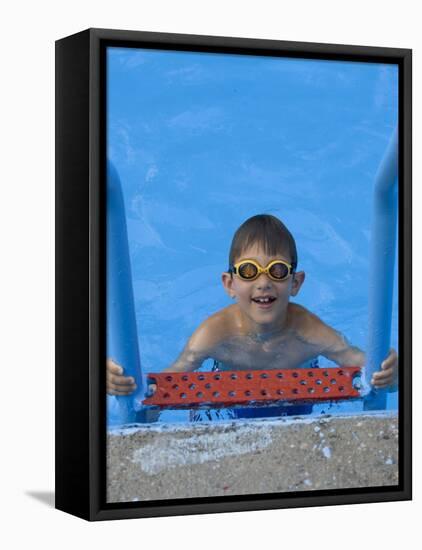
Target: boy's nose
(263, 281)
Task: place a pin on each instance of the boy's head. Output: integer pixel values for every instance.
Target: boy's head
(267, 232)
(262, 273)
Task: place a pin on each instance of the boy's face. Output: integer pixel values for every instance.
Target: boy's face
(247, 293)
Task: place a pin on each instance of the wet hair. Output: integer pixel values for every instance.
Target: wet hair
(266, 231)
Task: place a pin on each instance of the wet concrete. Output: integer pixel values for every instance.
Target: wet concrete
(154, 462)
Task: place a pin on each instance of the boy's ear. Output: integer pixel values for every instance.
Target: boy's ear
(297, 282)
(227, 280)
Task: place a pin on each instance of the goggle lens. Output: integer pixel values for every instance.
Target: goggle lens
(248, 270)
(279, 271)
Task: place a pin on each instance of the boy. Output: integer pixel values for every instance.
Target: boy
(263, 329)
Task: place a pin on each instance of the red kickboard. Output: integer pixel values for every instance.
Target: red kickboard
(257, 387)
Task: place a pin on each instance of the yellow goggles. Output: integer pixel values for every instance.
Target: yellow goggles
(249, 270)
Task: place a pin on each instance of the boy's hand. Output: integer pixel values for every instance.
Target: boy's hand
(387, 376)
(117, 384)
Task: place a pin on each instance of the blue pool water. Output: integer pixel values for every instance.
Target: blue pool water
(204, 141)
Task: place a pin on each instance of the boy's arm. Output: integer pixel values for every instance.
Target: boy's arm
(328, 342)
(338, 349)
(189, 360)
(198, 348)
(334, 346)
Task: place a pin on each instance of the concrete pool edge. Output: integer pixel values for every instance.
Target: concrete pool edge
(155, 462)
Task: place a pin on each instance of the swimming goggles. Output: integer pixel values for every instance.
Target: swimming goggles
(249, 270)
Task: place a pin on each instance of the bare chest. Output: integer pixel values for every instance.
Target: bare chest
(250, 353)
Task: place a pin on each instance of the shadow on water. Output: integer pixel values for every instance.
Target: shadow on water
(46, 497)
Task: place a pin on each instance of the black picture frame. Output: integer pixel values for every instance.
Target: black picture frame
(80, 273)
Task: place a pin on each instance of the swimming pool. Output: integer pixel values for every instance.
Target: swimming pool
(203, 141)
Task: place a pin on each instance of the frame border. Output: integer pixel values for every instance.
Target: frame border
(80, 272)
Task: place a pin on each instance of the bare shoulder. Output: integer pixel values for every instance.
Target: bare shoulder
(312, 330)
(212, 331)
(300, 318)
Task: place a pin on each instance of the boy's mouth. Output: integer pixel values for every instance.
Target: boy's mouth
(264, 301)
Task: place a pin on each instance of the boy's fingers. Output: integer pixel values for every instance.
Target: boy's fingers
(387, 373)
(379, 383)
(122, 387)
(383, 384)
(126, 389)
(114, 367)
(387, 364)
(390, 360)
(383, 379)
(112, 391)
(120, 380)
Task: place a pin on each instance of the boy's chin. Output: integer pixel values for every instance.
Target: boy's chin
(264, 317)
(260, 315)
(264, 310)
